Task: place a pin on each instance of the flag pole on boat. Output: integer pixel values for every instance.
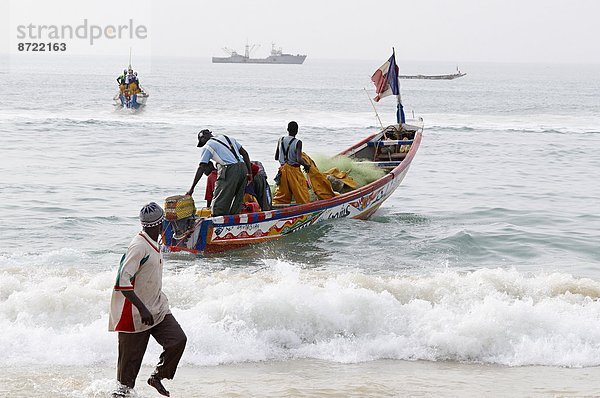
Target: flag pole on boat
(129, 58)
(375, 109)
(400, 117)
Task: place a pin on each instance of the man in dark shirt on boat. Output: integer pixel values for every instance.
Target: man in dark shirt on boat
(121, 79)
(233, 171)
(291, 181)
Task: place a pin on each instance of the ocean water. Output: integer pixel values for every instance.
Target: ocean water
(479, 275)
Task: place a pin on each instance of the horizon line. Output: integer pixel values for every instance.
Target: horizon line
(537, 62)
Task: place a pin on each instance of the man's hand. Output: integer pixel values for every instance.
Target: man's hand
(306, 168)
(147, 318)
(249, 177)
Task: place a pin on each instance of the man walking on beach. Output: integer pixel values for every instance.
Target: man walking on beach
(139, 309)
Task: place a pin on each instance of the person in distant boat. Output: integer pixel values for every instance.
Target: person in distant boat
(233, 171)
(121, 79)
(130, 78)
(139, 309)
(132, 87)
(211, 178)
(137, 82)
(292, 182)
(123, 87)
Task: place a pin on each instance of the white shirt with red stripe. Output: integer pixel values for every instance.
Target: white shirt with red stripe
(141, 271)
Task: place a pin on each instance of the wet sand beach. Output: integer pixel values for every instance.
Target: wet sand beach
(314, 378)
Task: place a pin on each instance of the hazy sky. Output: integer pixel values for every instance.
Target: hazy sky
(425, 30)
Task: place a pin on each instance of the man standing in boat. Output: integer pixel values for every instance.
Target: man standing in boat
(233, 171)
(139, 309)
(291, 180)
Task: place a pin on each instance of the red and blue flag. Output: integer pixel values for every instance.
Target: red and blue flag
(386, 83)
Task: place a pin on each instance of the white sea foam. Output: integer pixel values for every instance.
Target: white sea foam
(59, 316)
(325, 119)
(200, 117)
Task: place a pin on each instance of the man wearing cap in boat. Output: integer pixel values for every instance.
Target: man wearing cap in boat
(291, 180)
(233, 171)
(139, 309)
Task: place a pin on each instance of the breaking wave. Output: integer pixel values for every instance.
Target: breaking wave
(55, 314)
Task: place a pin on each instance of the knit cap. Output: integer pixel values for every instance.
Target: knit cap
(151, 215)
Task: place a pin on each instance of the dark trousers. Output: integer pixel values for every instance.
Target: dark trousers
(229, 189)
(132, 347)
(262, 191)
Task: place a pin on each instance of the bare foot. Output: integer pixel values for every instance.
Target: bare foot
(121, 392)
(155, 382)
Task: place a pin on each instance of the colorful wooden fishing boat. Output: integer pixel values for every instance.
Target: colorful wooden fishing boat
(392, 149)
(214, 234)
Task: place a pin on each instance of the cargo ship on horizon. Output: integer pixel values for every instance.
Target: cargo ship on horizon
(277, 57)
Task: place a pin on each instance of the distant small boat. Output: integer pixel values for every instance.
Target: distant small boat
(435, 77)
(277, 57)
(131, 95)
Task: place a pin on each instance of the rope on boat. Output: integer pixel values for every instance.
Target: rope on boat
(375, 109)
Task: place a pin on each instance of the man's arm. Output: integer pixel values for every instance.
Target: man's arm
(202, 167)
(147, 318)
(277, 150)
(299, 156)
